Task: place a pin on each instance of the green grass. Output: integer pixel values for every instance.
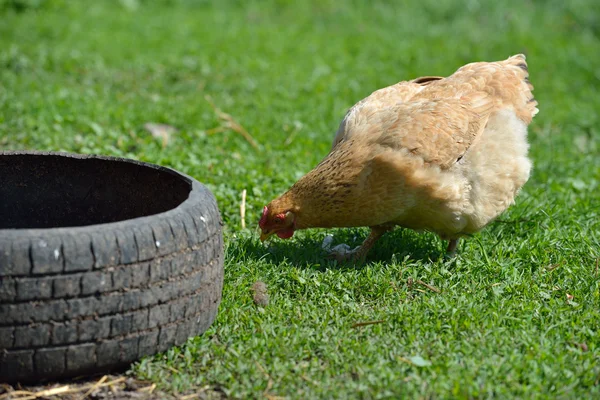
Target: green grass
(85, 77)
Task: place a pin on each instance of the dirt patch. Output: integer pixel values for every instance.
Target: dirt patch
(100, 388)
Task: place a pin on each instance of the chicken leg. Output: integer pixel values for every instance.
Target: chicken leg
(451, 249)
(359, 254)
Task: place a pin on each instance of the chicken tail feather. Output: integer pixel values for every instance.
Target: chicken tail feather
(518, 64)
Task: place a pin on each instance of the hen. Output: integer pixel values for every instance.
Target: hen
(446, 155)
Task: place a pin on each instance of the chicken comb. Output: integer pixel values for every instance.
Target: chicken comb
(263, 219)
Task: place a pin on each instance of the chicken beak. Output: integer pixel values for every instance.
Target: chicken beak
(265, 235)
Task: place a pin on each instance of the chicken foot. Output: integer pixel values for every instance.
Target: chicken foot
(358, 254)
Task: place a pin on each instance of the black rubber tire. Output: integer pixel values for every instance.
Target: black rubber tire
(75, 301)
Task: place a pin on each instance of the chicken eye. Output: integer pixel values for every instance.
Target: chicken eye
(278, 220)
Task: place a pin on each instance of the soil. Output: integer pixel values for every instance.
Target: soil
(100, 388)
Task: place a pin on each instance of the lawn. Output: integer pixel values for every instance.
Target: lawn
(518, 311)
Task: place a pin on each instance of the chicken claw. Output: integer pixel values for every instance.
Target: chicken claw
(342, 253)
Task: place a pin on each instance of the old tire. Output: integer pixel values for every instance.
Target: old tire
(91, 289)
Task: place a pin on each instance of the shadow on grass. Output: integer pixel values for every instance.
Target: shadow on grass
(307, 252)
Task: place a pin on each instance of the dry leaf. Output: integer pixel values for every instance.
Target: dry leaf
(160, 131)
